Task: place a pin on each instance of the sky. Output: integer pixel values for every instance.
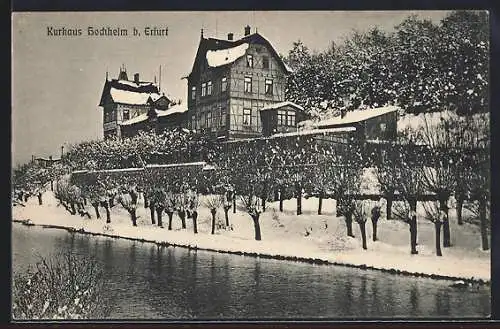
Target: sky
(57, 80)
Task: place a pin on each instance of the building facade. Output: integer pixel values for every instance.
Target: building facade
(231, 82)
(123, 99)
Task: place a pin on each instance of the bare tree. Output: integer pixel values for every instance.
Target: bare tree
(360, 216)
(213, 202)
(252, 205)
(435, 214)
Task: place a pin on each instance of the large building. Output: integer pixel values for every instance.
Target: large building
(123, 99)
(233, 83)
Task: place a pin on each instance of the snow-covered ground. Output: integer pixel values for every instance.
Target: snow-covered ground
(286, 235)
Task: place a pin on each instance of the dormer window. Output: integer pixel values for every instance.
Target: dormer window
(249, 60)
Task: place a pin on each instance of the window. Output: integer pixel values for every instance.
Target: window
(247, 117)
(269, 87)
(222, 121)
(249, 60)
(193, 92)
(193, 122)
(209, 88)
(208, 118)
(291, 119)
(126, 115)
(281, 118)
(201, 120)
(248, 84)
(203, 89)
(265, 62)
(383, 127)
(223, 86)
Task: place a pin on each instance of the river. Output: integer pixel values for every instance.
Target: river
(150, 282)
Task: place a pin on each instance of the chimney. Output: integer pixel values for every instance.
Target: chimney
(343, 112)
(230, 36)
(136, 78)
(50, 157)
(247, 30)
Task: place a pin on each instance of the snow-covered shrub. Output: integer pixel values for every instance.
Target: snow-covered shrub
(62, 286)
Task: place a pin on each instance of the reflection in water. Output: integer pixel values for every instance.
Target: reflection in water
(153, 282)
(414, 300)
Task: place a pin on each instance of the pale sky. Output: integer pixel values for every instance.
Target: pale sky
(57, 80)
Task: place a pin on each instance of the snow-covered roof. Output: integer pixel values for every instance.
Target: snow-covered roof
(355, 116)
(315, 131)
(160, 113)
(179, 108)
(281, 104)
(130, 97)
(133, 84)
(226, 56)
(135, 119)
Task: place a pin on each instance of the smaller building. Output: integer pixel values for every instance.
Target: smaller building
(281, 117)
(123, 99)
(370, 124)
(45, 163)
(156, 119)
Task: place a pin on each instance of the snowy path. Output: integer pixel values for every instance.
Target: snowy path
(284, 236)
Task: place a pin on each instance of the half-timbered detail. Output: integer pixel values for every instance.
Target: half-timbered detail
(281, 117)
(237, 79)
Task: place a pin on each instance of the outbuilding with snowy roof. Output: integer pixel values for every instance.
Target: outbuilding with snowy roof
(376, 124)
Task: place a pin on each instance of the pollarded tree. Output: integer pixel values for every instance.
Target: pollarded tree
(213, 202)
(252, 205)
(360, 216)
(435, 214)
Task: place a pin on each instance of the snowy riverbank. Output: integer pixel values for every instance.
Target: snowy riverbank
(308, 237)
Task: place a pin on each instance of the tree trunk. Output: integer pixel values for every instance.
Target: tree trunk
(263, 201)
(39, 198)
(152, 213)
(348, 222)
(159, 211)
(108, 214)
(437, 226)
(213, 212)
(413, 221)
(281, 199)
(299, 200)
(134, 217)
(84, 201)
(52, 185)
(443, 206)
(146, 201)
(170, 214)
(413, 235)
(256, 225)
(320, 202)
(484, 224)
(234, 203)
(96, 208)
(389, 200)
(111, 202)
(195, 224)
(73, 208)
(374, 225)
(226, 215)
(460, 203)
(362, 228)
(182, 216)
